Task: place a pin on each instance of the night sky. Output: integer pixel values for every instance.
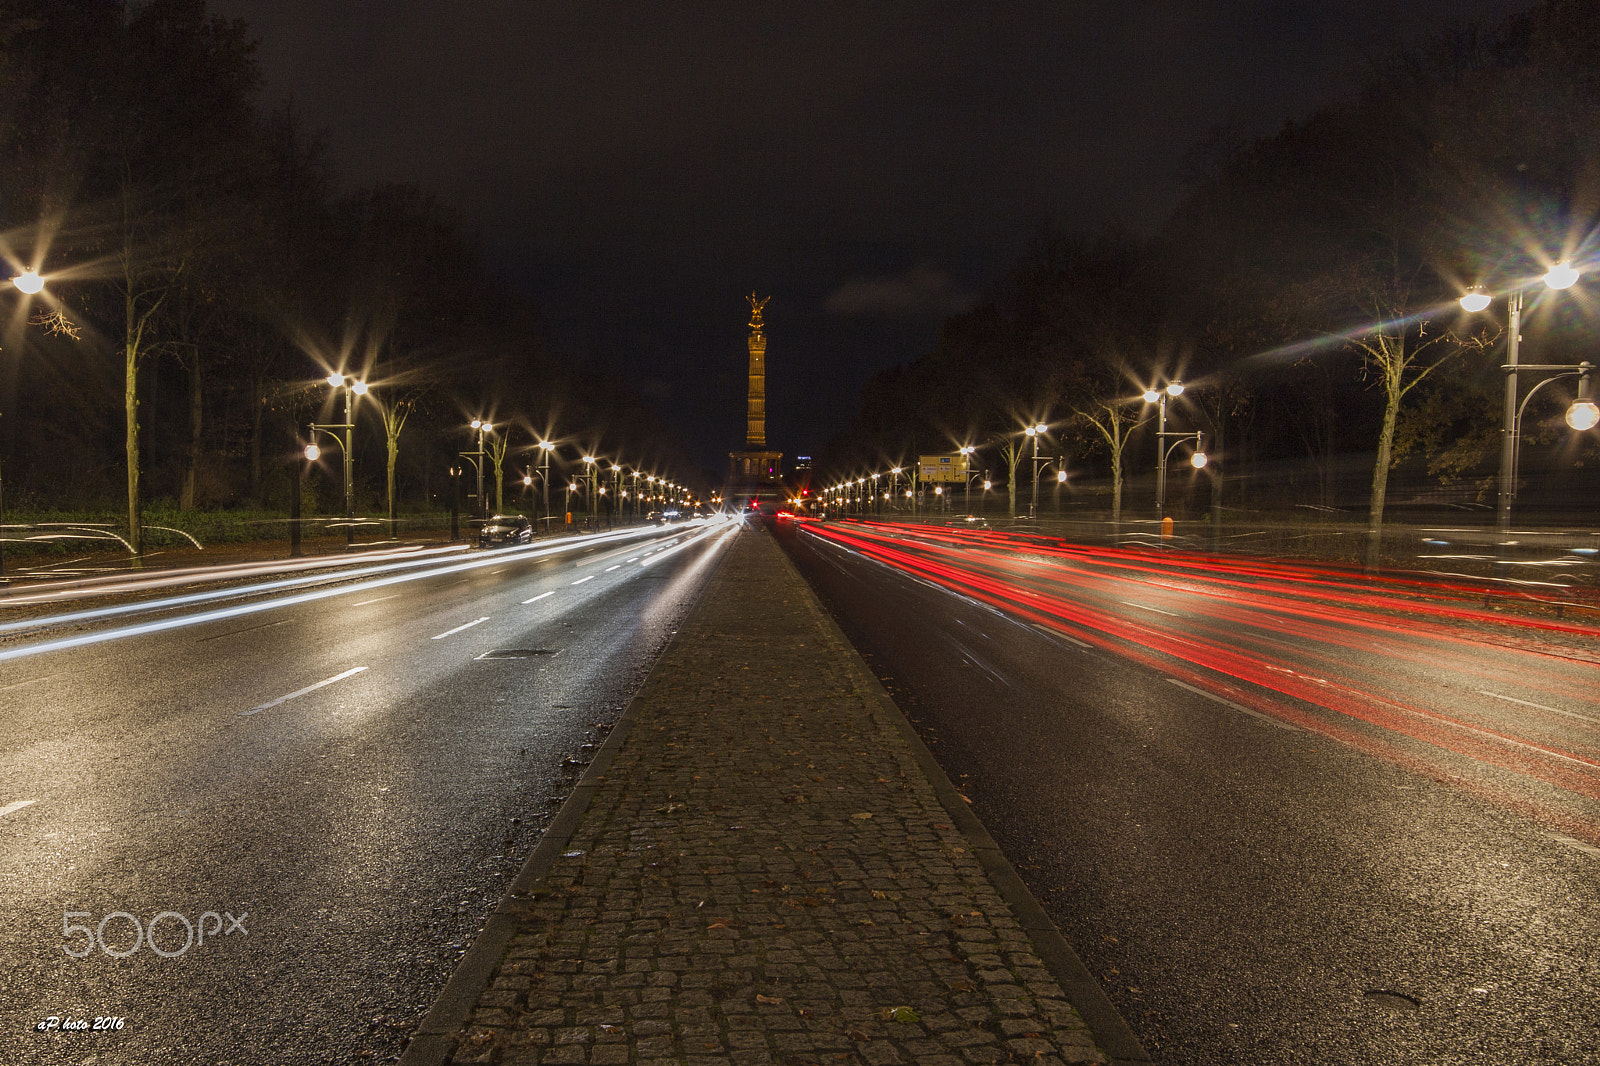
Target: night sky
(639, 167)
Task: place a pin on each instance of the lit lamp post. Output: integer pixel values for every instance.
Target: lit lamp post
(476, 459)
(29, 283)
(1560, 276)
(967, 451)
(1163, 449)
(594, 497)
(545, 448)
(352, 388)
(1035, 431)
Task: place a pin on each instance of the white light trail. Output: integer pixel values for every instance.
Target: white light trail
(165, 624)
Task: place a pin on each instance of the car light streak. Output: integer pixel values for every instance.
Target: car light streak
(439, 567)
(163, 625)
(12, 808)
(301, 692)
(1351, 646)
(664, 553)
(121, 583)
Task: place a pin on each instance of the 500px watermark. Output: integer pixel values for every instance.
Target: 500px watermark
(82, 938)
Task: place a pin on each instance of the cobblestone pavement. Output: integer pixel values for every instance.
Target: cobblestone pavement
(760, 870)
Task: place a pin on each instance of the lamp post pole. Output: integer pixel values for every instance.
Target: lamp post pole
(1161, 460)
(1508, 427)
(483, 503)
(351, 388)
(545, 448)
(966, 473)
(1159, 397)
(1561, 276)
(29, 283)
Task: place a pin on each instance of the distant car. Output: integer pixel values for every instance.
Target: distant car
(655, 516)
(505, 529)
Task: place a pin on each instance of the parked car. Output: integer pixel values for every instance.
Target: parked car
(505, 529)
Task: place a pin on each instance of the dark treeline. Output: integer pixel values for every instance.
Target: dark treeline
(203, 274)
(1305, 291)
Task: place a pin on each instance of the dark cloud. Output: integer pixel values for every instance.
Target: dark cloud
(921, 292)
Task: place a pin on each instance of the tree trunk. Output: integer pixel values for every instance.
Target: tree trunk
(393, 446)
(1380, 477)
(191, 476)
(1011, 482)
(1116, 490)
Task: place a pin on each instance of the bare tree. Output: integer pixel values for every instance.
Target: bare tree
(1115, 425)
(1392, 350)
(1010, 446)
(497, 455)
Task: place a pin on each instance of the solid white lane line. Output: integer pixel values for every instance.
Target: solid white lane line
(608, 569)
(581, 580)
(1267, 718)
(380, 599)
(1054, 635)
(457, 629)
(17, 806)
(309, 688)
(1157, 610)
(539, 597)
(1540, 707)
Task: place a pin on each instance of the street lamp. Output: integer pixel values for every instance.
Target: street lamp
(476, 458)
(545, 448)
(1163, 449)
(1036, 431)
(591, 470)
(352, 388)
(1560, 276)
(29, 283)
(967, 451)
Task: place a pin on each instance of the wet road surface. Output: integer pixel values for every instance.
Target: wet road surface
(318, 794)
(1285, 816)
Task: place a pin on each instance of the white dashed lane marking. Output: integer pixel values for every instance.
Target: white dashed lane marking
(301, 692)
(457, 629)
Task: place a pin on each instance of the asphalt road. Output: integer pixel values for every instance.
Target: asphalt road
(317, 793)
(1283, 815)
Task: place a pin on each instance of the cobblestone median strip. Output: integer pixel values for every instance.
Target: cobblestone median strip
(758, 869)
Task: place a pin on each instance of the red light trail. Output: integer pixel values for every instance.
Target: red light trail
(1412, 671)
